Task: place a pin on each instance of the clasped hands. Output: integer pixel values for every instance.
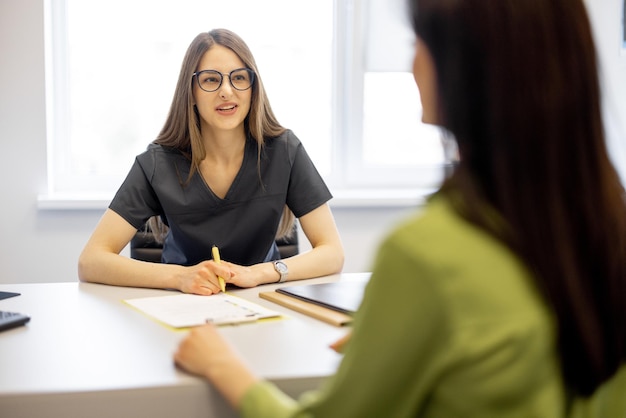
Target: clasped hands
(202, 278)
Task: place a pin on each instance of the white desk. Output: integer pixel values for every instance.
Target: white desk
(85, 353)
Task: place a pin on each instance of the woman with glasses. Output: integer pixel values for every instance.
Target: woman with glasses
(506, 295)
(223, 172)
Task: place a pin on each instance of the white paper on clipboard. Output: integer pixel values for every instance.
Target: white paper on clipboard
(185, 310)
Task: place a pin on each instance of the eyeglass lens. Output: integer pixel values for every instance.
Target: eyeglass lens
(211, 80)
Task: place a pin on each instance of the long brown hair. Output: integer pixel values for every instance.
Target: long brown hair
(182, 125)
(519, 90)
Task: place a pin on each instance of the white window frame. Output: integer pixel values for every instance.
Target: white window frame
(354, 29)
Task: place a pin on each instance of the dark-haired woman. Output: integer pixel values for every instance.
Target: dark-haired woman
(506, 295)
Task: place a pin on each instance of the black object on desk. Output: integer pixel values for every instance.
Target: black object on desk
(5, 295)
(339, 296)
(10, 320)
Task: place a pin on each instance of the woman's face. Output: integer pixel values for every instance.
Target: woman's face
(426, 80)
(226, 108)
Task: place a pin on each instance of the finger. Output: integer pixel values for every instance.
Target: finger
(340, 344)
(179, 355)
(213, 269)
(205, 288)
(227, 269)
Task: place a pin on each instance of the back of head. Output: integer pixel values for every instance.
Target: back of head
(512, 73)
(518, 88)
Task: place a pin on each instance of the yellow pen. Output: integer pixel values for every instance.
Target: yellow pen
(216, 258)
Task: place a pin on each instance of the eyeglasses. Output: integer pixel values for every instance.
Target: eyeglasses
(211, 80)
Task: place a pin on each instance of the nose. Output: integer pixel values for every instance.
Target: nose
(226, 89)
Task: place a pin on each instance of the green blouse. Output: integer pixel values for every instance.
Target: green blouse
(450, 326)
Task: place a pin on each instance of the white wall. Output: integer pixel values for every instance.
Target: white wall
(42, 246)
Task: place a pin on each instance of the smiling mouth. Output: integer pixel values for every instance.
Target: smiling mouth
(227, 108)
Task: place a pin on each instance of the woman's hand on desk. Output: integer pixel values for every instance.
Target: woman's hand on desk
(201, 279)
(205, 353)
(251, 276)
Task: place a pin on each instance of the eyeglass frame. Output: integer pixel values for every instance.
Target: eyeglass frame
(248, 70)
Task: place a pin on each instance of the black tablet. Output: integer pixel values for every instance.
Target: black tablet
(342, 296)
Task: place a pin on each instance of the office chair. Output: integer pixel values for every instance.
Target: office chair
(144, 247)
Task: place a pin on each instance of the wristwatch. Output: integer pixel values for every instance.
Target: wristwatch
(282, 269)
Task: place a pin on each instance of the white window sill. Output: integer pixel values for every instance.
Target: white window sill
(380, 198)
(366, 198)
(72, 202)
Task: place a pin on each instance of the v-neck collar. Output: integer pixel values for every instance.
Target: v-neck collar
(247, 154)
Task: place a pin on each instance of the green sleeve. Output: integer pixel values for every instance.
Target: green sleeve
(391, 360)
(609, 401)
(395, 352)
(264, 400)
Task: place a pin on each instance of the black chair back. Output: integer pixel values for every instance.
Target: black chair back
(145, 247)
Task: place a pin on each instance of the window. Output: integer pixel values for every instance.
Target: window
(624, 25)
(114, 65)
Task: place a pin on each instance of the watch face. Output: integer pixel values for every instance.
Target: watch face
(281, 267)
